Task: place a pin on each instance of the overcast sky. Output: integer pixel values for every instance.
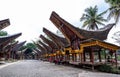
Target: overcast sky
(30, 16)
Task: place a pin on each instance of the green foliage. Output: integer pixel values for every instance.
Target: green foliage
(23, 47)
(112, 2)
(105, 68)
(3, 33)
(109, 69)
(28, 51)
(92, 19)
(119, 57)
(29, 48)
(30, 45)
(114, 9)
(119, 67)
(115, 71)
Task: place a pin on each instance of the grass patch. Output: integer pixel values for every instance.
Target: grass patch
(109, 69)
(118, 57)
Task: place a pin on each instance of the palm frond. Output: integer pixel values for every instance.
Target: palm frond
(111, 14)
(117, 17)
(100, 23)
(85, 23)
(103, 12)
(91, 18)
(114, 9)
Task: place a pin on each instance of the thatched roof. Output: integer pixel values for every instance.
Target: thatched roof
(4, 23)
(18, 46)
(43, 50)
(45, 46)
(70, 31)
(37, 50)
(7, 39)
(9, 46)
(100, 34)
(60, 41)
(49, 42)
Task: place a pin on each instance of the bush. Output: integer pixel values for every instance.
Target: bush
(115, 71)
(105, 68)
(109, 69)
(119, 68)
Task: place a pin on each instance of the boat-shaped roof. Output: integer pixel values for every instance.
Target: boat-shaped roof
(49, 42)
(18, 46)
(8, 38)
(4, 23)
(70, 31)
(60, 41)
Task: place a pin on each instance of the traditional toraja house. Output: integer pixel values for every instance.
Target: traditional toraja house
(48, 48)
(5, 40)
(4, 23)
(18, 46)
(60, 42)
(53, 46)
(49, 42)
(43, 51)
(15, 50)
(35, 54)
(22, 54)
(80, 49)
(8, 47)
(7, 50)
(38, 53)
(66, 27)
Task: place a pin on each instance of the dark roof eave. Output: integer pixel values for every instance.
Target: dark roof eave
(82, 34)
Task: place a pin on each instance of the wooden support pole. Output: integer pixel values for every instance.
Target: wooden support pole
(92, 56)
(68, 57)
(84, 58)
(81, 57)
(105, 56)
(116, 59)
(75, 56)
(99, 55)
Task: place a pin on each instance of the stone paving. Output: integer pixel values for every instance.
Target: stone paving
(35, 68)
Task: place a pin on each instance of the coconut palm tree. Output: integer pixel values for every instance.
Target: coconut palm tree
(92, 19)
(114, 9)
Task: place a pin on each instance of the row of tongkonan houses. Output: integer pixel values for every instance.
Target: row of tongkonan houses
(78, 46)
(8, 46)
